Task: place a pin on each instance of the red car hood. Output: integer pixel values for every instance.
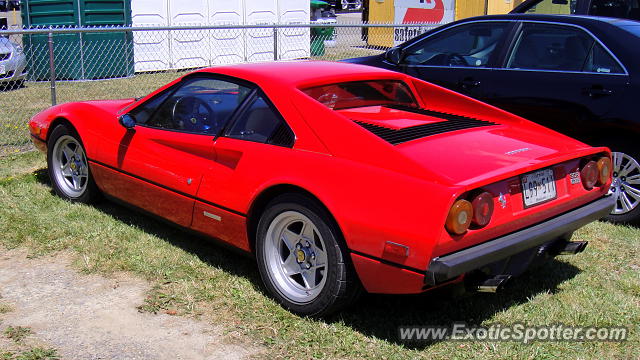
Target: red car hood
(478, 154)
(112, 106)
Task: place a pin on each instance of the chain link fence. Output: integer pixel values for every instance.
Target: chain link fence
(42, 67)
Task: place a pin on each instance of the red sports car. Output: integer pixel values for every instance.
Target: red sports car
(337, 177)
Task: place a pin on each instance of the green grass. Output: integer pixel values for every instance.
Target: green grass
(17, 333)
(38, 353)
(600, 287)
(338, 53)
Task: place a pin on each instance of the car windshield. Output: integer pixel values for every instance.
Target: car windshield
(363, 93)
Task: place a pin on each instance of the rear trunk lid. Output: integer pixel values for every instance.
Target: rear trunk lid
(462, 149)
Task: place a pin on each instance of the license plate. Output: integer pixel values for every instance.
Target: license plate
(538, 187)
(3, 70)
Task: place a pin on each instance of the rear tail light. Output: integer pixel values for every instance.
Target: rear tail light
(459, 218)
(604, 170)
(482, 206)
(589, 175)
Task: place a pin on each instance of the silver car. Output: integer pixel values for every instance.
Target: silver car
(13, 62)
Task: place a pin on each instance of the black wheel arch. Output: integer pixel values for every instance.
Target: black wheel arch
(259, 205)
(60, 121)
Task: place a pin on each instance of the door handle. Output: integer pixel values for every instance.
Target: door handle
(598, 91)
(469, 83)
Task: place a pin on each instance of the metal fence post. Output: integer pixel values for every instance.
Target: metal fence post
(52, 70)
(275, 44)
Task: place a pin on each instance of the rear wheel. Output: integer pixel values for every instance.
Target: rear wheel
(68, 166)
(625, 186)
(301, 261)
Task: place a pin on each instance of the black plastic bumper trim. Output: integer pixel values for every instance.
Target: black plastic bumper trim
(38, 138)
(455, 264)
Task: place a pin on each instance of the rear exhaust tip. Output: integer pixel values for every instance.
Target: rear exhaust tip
(572, 247)
(494, 284)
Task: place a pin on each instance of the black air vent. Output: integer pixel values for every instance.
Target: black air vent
(398, 136)
(283, 136)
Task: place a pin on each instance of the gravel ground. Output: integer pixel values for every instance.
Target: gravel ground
(93, 317)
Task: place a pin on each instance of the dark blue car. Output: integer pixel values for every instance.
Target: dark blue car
(578, 75)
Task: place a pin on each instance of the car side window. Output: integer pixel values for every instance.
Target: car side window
(200, 105)
(469, 45)
(260, 122)
(551, 47)
(143, 112)
(600, 61)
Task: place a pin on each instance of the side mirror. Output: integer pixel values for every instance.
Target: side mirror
(394, 55)
(127, 121)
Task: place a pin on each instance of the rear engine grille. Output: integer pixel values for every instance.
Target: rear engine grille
(4, 56)
(399, 136)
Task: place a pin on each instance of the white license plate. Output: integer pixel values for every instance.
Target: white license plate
(538, 187)
(3, 70)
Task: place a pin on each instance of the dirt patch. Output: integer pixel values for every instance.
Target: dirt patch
(93, 317)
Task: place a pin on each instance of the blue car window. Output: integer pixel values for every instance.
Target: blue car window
(600, 61)
(551, 47)
(469, 45)
(201, 105)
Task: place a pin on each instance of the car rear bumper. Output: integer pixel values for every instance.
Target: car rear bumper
(451, 266)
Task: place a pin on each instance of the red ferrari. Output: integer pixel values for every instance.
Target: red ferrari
(337, 177)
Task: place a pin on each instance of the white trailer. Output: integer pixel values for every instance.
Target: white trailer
(185, 49)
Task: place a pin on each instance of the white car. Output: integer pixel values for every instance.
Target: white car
(13, 63)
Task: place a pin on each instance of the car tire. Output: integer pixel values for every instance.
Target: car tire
(626, 184)
(302, 259)
(68, 167)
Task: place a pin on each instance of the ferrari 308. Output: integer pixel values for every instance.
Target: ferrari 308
(337, 177)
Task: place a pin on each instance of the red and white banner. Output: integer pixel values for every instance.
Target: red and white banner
(421, 11)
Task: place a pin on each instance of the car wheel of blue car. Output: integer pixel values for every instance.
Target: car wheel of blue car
(625, 187)
(68, 166)
(301, 259)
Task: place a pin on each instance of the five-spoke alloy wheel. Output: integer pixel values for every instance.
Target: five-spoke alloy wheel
(68, 166)
(301, 257)
(296, 257)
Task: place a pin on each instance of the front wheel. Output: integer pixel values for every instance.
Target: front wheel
(301, 261)
(68, 166)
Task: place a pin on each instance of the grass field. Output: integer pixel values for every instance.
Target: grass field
(600, 287)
